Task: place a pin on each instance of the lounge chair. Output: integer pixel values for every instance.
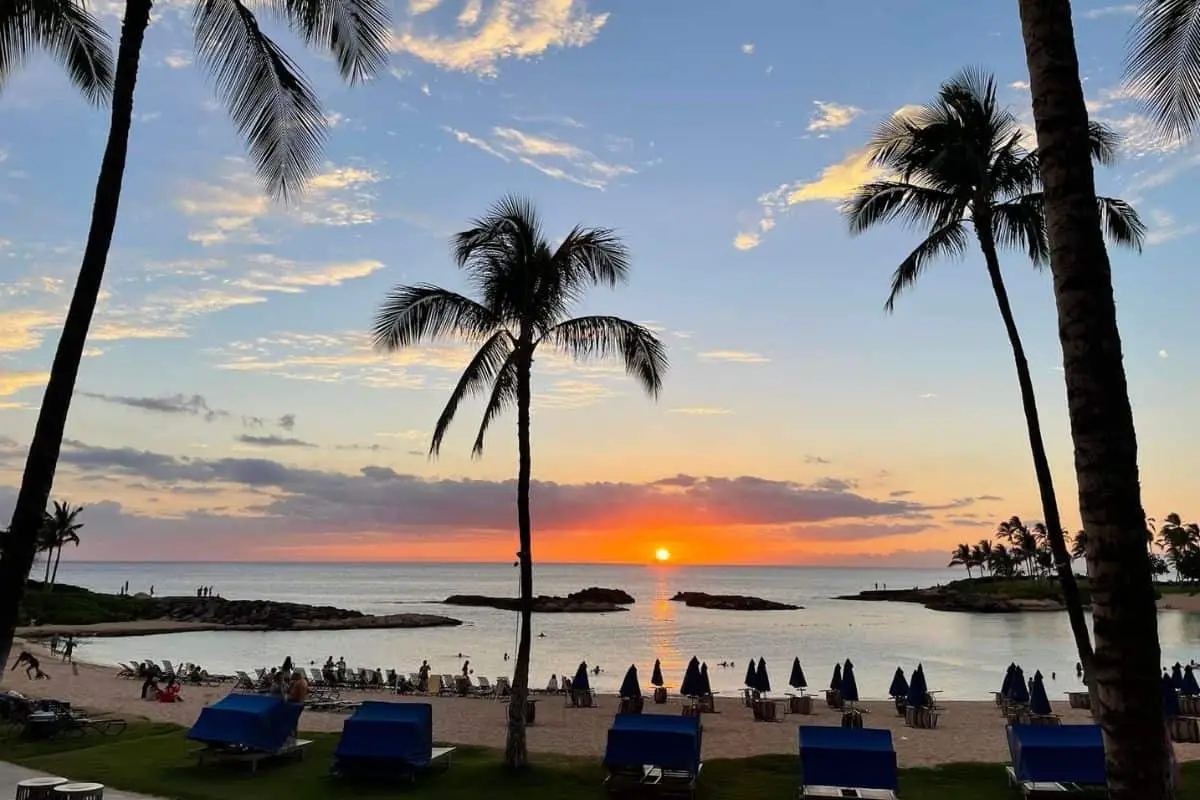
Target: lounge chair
(485, 688)
(244, 681)
(653, 754)
(168, 670)
(447, 685)
(847, 763)
(1055, 759)
(387, 740)
(248, 728)
(503, 687)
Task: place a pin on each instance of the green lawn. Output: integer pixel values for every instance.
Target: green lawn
(155, 759)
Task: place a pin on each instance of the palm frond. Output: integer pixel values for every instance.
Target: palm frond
(1015, 171)
(356, 32)
(423, 313)
(265, 92)
(949, 240)
(1121, 222)
(1020, 224)
(1164, 63)
(641, 352)
(511, 229)
(883, 201)
(503, 396)
(70, 34)
(1105, 143)
(476, 378)
(593, 255)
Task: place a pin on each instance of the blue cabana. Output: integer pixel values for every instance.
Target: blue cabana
(630, 687)
(797, 680)
(918, 691)
(751, 674)
(661, 740)
(1019, 691)
(705, 684)
(255, 721)
(835, 684)
(861, 758)
(762, 681)
(849, 684)
(691, 679)
(1170, 697)
(656, 677)
(1190, 686)
(899, 687)
(381, 738)
(580, 682)
(1057, 754)
(1039, 703)
(1177, 675)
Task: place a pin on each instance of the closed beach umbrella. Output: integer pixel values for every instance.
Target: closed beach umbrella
(705, 685)
(899, 686)
(797, 680)
(1019, 691)
(656, 678)
(630, 687)
(918, 692)
(836, 683)
(580, 683)
(751, 674)
(849, 684)
(691, 679)
(1039, 703)
(1177, 675)
(1006, 687)
(762, 681)
(1170, 698)
(1190, 687)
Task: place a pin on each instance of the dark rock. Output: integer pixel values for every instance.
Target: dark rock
(594, 600)
(731, 602)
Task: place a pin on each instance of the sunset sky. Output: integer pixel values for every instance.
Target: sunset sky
(231, 407)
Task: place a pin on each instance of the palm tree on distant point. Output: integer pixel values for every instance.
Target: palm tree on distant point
(958, 165)
(526, 287)
(276, 112)
(65, 527)
(68, 32)
(962, 558)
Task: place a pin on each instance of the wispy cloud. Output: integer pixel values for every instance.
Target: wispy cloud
(1163, 227)
(1123, 10)
(178, 59)
(12, 381)
(701, 411)
(748, 48)
(272, 440)
(550, 156)
(735, 356)
(193, 405)
(504, 29)
(832, 116)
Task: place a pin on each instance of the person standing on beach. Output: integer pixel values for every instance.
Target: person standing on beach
(68, 650)
(423, 677)
(467, 668)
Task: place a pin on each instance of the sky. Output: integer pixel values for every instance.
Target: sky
(230, 406)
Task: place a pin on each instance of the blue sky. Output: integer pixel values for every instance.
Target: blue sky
(230, 384)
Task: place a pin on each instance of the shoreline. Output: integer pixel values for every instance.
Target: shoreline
(965, 597)
(147, 627)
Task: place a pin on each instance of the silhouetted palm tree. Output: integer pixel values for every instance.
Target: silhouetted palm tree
(1163, 67)
(526, 288)
(1127, 691)
(959, 166)
(68, 32)
(64, 526)
(962, 558)
(274, 109)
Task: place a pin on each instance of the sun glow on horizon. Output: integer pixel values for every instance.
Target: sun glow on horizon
(662, 555)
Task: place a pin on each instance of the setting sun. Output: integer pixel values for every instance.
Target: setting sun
(662, 554)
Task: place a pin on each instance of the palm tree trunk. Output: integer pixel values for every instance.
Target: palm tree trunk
(40, 464)
(1041, 464)
(54, 575)
(46, 576)
(516, 750)
(1127, 657)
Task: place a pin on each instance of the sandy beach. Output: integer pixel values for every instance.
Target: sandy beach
(968, 731)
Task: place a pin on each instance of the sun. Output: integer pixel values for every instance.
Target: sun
(662, 554)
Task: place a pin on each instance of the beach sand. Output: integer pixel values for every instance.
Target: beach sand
(968, 730)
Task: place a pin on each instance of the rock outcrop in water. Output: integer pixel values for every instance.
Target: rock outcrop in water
(955, 599)
(731, 602)
(593, 600)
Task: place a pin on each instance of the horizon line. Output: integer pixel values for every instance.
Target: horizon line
(648, 565)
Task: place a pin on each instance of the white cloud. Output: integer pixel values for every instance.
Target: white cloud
(1123, 10)
(418, 7)
(178, 59)
(550, 156)
(1022, 86)
(505, 29)
(1163, 227)
(832, 116)
(701, 411)
(748, 48)
(1163, 354)
(734, 356)
(425, 90)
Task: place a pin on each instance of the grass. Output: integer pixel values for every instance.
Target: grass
(155, 759)
(71, 605)
(1018, 588)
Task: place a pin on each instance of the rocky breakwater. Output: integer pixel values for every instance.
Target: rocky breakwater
(731, 602)
(593, 600)
(955, 599)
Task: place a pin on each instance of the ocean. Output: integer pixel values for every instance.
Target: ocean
(964, 654)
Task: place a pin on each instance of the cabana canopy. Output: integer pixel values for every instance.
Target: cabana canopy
(662, 740)
(858, 757)
(255, 721)
(384, 733)
(1057, 753)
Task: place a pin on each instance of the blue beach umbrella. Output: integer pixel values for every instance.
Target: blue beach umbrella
(1177, 675)
(1039, 703)
(1190, 687)
(1006, 687)
(1019, 691)
(836, 683)
(849, 684)
(705, 685)
(797, 679)
(762, 681)
(1170, 698)
(691, 679)
(751, 674)
(580, 682)
(630, 687)
(656, 678)
(899, 686)
(918, 691)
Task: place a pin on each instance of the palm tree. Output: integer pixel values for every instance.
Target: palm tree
(1079, 545)
(960, 163)
(982, 553)
(274, 109)
(1163, 65)
(68, 32)
(1127, 689)
(64, 527)
(962, 558)
(526, 287)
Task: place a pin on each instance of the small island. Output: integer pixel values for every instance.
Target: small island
(73, 611)
(730, 602)
(593, 600)
(978, 596)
